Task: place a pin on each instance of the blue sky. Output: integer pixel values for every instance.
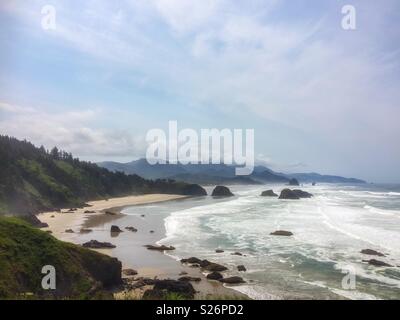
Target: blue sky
(320, 98)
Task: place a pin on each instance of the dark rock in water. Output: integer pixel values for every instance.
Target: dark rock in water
(151, 231)
(288, 194)
(219, 251)
(163, 287)
(372, 252)
(160, 248)
(52, 216)
(281, 233)
(142, 215)
(293, 182)
(132, 229)
(69, 231)
(115, 229)
(214, 276)
(111, 213)
(302, 194)
(222, 191)
(232, 280)
(377, 263)
(85, 230)
(237, 254)
(129, 272)
(204, 263)
(195, 265)
(214, 267)
(193, 279)
(268, 193)
(194, 190)
(191, 260)
(94, 244)
(241, 268)
(314, 183)
(183, 273)
(89, 211)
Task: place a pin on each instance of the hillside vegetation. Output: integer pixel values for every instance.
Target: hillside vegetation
(34, 179)
(80, 273)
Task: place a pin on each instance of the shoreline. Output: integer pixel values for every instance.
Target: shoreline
(130, 248)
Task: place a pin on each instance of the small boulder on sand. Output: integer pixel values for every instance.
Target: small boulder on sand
(85, 230)
(115, 229)
(241, 268)
(190, 279)
(69, 231)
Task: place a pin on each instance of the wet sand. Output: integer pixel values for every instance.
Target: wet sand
(130, 248)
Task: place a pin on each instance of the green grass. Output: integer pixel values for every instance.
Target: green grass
(24, 250)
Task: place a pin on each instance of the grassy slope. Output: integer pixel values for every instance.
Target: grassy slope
(24, 250)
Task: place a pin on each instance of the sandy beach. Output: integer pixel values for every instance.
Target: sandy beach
(130, 248)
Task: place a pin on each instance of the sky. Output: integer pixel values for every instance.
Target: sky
(320, 98)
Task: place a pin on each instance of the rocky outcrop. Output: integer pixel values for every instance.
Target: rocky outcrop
(214, 276)
(191, 260)
(115, 229)
(372, 252)
(194, 190)
(293, 182)
(111, 213)
(222, 191)
(164, 287)
(302, 194)
(236, 253)
(34, 221)
(69, 231)
(377, 263)
(268, 193)
(281, 233)
(89, 211)
(219, 251)
(232, 280)
(159, 248)
(94, 244)
(132, 229)
(288, 194)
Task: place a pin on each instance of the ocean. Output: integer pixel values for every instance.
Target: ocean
(329, 231)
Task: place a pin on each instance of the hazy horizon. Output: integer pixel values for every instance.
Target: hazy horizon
(320, 98)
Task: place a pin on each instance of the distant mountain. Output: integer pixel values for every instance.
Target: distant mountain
(205, 174)
(33, 179)
(211, 174)
(316, 177)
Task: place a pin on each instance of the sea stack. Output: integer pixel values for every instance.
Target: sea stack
(222, 191)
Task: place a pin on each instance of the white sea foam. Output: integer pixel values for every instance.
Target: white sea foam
(329, 230)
